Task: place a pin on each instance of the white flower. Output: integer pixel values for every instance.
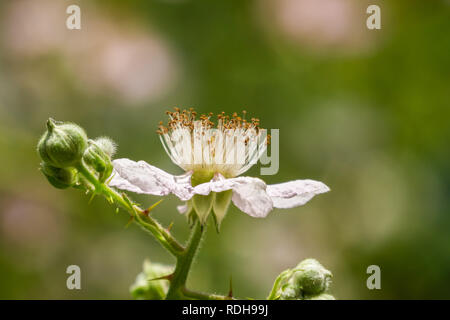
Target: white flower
(212, 159)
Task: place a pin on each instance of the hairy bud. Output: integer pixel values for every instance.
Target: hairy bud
(312, 277)
(63, 144)
(107, 145)
(98, 156)
(308, 280)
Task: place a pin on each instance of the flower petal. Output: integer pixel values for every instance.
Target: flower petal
(251, 198)
(249, 194)
(295, 193)
(183, 208)
(140, 177)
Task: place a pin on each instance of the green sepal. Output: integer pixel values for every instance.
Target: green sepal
(220, 206)
(203, 205)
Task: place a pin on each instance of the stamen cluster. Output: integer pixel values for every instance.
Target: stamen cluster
(230, 145)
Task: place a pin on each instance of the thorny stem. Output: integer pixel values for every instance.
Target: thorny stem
(184, 263)
(184, 255)
(161, 234)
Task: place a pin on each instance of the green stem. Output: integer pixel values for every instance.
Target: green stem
(184, 262)
(161, 234)
(184, 256)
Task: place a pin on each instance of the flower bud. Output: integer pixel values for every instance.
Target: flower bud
(98, 159)
(107, 145)
(312, 277)
(60, 178)
(308, 280)
(290, 292)
(63, 144)
(145, 288)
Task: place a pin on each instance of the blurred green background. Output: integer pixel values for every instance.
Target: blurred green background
(367, 112)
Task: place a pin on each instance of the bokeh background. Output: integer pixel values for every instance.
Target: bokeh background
(367, 112)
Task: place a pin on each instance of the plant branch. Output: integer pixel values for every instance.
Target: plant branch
(184, 262)
(184, 255)
(141, 217)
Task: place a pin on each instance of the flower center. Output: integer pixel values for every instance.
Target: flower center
(229, 146)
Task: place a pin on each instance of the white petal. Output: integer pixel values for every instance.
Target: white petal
(295, 193)
(183, 208)
(140, 177)
(249, 194)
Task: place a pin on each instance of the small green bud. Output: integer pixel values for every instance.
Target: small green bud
(60, 178)
(107, 145)
(312, 277)
(98, 159)
(290, 292)
(63, 144)
(308, 280)
(145, 288)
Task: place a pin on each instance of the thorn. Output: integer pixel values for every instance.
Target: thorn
(149, 209)
(92, 198)
(129, 222)
(110, 199)
(110, 178)
(168, 277)
(128, 201)
(230, 292)
(170, 226)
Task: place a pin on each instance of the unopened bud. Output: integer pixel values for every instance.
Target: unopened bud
(98, 159)
(107, 145)
(145, 287)
(312, 277)
(63, 144)
(60, 178)
(308, 280)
